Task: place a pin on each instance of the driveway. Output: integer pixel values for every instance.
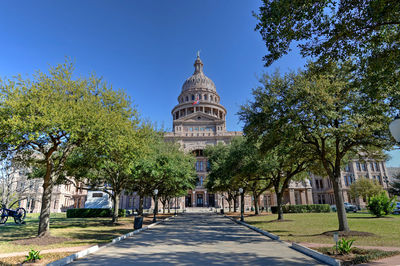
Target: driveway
(197, 239)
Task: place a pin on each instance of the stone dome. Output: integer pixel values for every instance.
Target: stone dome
(198, 80)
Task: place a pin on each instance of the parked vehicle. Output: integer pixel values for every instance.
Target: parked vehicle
(396, 209)
(349, 207)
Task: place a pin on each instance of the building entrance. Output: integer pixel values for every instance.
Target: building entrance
(188, 200)
(199, 202)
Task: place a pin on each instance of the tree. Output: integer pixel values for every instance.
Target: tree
(219, 176)
(164, 168)
(365, 188)
(48, 117)
(367, 31)
(322, 112)
(238, 164)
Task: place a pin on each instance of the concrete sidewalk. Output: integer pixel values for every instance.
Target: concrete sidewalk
(198, 239)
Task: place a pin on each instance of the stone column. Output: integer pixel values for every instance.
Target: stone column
(303, 197)
(309, 196)
(291, 196)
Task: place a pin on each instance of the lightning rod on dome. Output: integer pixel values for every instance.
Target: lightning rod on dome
(198, 53)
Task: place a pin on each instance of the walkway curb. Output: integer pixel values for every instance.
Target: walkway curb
(302, 249)
(268, 234)
(316, 255)
(85, 252)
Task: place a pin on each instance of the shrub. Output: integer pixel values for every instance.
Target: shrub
(344, 246)
(88, 213)
(380, 205)
(33, 256)
(306, 208)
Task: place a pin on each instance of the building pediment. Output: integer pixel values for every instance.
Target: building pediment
(198, 117)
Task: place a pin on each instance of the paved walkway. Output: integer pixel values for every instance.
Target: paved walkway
(197, 239)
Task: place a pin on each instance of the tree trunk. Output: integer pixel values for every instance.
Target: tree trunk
(235, 203)
(341, 211)
(256, 208)
(169, 206)
(116, 207)
(279, 203)
(230, 205)
(141, 203)
(44, 221)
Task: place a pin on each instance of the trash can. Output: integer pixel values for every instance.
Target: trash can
(138, 222)
(222, 211)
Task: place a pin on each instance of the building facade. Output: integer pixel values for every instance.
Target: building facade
(199, 121)
(368, 168)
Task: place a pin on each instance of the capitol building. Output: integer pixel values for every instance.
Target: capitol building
(199, 121)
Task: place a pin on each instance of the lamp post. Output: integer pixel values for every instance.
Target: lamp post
(176, 204)
(223, 208)
(241, 204)
(155, 205)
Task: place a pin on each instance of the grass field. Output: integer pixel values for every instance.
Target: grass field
(75, 231)
(307, 227)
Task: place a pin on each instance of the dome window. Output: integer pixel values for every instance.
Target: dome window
(187, 98)
(205, 97)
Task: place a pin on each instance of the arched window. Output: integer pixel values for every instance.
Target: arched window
(192, 97)
(205, 97)
(187, 98)
(211, 98)
(199, 96)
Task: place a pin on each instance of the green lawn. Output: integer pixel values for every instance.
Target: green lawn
(307, 227)
(79, 231)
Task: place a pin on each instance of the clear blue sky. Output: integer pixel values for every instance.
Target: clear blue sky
(145, 47)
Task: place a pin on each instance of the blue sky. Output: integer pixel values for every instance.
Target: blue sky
(145, 47)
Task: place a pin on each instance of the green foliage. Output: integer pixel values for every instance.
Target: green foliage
(365, 188)
(316, 208)
(380, 205)
(47, 119)
(166, 168)
(33, 256)
(89, 213)
(322, 113)
(325, 30)
(344, 246)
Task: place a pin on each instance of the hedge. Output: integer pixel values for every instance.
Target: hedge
(88, 213)
(302, 208)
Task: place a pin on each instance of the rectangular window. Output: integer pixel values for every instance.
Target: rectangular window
(347, 168)
(201, 166)
(358, 166)
(346, 182)
(364, 167)
(376, 166)
(205, 96)
(321, 183)
(199, 96)
(372, 166)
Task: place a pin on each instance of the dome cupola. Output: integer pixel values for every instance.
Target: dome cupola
(198, 80)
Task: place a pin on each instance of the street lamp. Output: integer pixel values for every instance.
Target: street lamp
(394, 128)
(241, 204)
(155, 205)
(223, 208)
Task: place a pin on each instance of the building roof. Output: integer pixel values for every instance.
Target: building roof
(198, 80)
